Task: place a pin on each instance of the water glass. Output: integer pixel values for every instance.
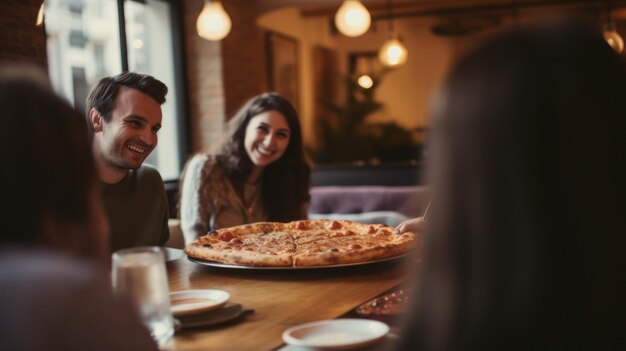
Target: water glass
(139, 275)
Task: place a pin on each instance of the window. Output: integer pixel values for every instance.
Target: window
(80, 88)
(88, 47)
(149, 42)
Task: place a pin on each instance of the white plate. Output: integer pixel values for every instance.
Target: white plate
(336, 334)
(186, 302)
(227, 313)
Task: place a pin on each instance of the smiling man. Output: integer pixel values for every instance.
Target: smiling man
(124, 117)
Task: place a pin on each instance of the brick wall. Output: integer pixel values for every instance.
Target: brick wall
(20, 40)
(221, 75)
(243, 56)
(204, 82)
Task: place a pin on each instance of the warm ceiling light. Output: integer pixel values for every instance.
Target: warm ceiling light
(365, 81)
(213, 22)
(39, 21)
(352, 19)
(393, 53)
(613, 38)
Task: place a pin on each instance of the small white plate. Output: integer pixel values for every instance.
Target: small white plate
(336, 334)
(228, 313)
(186, 302)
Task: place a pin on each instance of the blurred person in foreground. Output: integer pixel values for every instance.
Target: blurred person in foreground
(54, 292)
(124, 117)
(525, 240)
(258, 173)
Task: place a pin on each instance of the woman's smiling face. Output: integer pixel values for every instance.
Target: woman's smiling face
(267, 137)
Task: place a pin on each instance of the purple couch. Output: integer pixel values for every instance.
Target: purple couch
(409, 201)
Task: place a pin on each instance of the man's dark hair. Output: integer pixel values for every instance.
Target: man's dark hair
(102, 96)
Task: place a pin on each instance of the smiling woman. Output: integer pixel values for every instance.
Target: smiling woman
(267, 138)
(258, 173)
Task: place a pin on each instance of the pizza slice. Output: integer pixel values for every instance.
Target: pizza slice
(259, 244)
(345, 247)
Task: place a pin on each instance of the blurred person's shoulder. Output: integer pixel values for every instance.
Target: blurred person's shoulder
(40, 288)
(41, 280)
(36, 288)
(41, 266)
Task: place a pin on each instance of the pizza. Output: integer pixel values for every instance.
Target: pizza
(304, 243)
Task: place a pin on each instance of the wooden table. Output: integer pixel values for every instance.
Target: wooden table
(280, 299)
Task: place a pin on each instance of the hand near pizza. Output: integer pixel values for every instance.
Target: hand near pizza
(415, 225)
(303, 243)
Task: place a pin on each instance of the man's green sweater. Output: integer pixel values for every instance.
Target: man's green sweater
(137, 209)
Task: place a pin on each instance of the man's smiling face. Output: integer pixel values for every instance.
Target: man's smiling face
(131, 133)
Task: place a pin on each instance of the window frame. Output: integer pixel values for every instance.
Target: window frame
(180, 68)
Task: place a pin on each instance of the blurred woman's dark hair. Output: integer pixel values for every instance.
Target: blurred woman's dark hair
(285, 182)
(47, 165)
(528, 221)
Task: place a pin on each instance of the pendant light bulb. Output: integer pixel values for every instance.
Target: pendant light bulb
(365, 81)
(393, 53)
(613, 38)
(213, 22)
(352, 19)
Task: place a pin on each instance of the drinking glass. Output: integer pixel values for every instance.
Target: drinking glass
(139, 275)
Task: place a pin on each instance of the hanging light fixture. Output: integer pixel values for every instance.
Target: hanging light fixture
(42, 9)
(213, 22)
(352, 19)
(393, 53)
(365, 81)
(611, 35)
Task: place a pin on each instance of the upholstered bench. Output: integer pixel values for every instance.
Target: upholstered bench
(388, 205)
